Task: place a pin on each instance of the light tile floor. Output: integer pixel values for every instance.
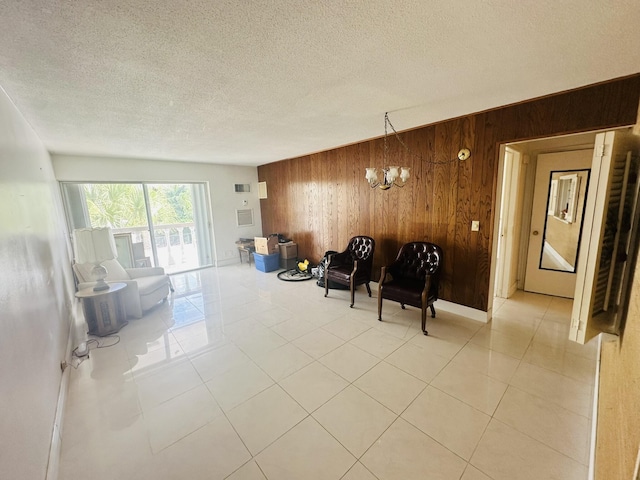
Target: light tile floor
(246, 377)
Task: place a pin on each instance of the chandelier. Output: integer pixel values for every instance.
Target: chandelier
(391, 174)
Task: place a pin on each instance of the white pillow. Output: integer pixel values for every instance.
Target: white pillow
(115, 272)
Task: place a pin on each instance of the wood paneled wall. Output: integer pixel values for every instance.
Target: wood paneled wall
(322, 200)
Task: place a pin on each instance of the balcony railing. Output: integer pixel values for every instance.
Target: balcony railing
(176, 246)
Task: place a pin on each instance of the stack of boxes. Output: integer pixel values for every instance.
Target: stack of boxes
(270, 254)
(267, 254)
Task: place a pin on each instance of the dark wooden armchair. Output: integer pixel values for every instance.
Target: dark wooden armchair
(412, 279)
(351, 267)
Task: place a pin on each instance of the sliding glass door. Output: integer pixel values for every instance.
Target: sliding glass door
(153, 224)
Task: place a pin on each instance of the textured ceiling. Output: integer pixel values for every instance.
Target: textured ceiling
(251, 82)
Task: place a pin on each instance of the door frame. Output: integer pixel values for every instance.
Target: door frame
(528, 160)
(511, 168)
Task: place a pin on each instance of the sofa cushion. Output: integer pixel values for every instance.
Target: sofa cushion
(115, 272)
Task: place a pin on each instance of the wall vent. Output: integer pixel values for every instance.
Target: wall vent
(244, 217)
(242, 187)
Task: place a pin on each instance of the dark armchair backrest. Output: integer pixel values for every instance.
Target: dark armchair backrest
(361, 249)
(417, 259)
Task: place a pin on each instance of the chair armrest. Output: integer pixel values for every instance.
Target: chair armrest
(383, 275)
(432, 281)
(342, 258)
(427, 287)
(144, 271)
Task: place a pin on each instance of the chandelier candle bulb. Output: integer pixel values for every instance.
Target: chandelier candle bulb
(371, 175)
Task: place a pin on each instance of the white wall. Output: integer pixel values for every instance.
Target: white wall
(221, 180)
(36, 298)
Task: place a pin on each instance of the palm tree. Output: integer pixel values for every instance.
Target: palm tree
(115, 205)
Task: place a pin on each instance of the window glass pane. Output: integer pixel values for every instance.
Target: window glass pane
(172, 213)
(115, 205)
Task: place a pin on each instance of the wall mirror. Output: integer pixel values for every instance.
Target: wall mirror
(563, 223)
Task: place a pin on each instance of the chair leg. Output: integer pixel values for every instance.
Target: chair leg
(379, 305)
(433, 311)
(402, 306)
(326, 284)
(352, 287)
(368, 288)
(424, 320)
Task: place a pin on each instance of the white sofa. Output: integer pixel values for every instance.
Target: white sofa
(145, 286)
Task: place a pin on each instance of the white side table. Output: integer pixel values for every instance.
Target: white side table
(104, 311)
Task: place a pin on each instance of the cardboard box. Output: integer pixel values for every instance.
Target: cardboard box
(288, 250)
(267, 263)
(266, 246)
(288, 263)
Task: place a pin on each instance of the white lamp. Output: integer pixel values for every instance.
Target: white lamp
(95, 245)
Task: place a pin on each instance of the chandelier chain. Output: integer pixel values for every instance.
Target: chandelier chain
(419, 157)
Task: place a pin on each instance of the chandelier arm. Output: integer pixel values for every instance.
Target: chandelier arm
(390, 174)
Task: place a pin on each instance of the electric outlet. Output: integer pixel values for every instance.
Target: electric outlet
(475, 226)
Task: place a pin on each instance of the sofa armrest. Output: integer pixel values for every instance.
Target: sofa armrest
(144, 271)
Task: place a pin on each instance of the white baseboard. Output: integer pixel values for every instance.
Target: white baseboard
(227, 261)
(53, 463)
(455, 308)
(594, 415)
(603, 337)
(463, 311)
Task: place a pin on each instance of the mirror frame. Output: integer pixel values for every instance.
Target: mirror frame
(565, 190)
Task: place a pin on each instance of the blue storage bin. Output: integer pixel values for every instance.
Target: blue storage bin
(267, 263)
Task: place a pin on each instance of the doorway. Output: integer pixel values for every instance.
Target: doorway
(516, 188)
